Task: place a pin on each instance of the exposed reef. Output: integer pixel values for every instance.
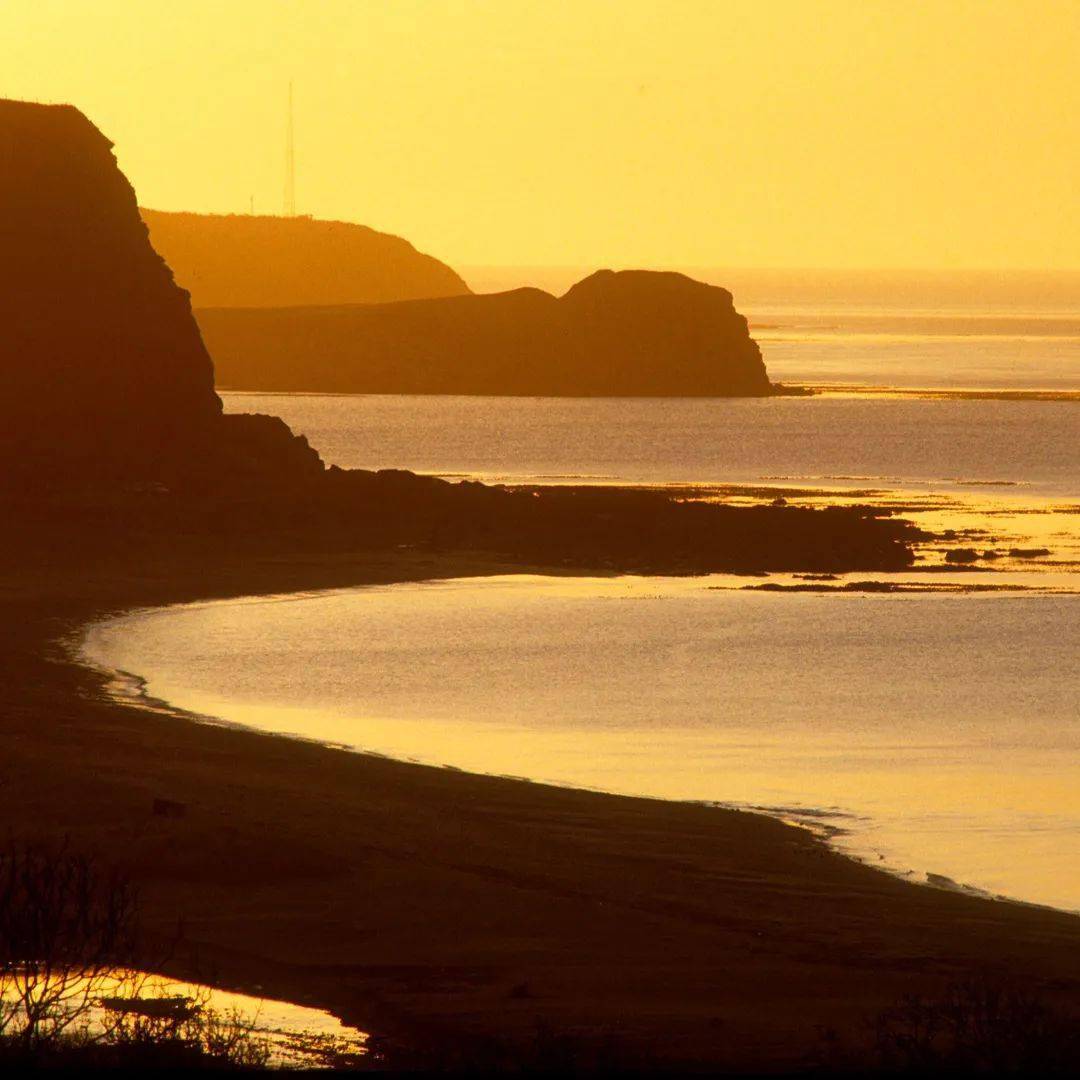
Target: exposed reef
(891, 587)
(632, 333)
(246, 260)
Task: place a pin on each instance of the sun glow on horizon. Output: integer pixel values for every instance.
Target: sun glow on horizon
(783, 134)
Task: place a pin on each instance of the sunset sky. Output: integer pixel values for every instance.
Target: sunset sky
(725, 133)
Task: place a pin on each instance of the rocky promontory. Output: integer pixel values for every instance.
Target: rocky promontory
(113, 433)
(628, 333)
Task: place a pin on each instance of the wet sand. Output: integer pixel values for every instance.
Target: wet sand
(454, 913)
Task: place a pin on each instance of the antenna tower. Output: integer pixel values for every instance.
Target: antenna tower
(290, 163)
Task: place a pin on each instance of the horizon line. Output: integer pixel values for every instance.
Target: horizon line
(758, 268)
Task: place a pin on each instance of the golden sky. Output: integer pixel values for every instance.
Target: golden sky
(942, 133)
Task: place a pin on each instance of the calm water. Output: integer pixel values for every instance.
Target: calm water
(842, 441)
(294, 1036)
(940, 733)
(935, 733)
(978, 331)
(888, 328)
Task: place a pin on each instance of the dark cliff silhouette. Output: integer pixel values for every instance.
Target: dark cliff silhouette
(113, 430)
(104, 370)
(635, 332)
(101, 356)
(241, 260)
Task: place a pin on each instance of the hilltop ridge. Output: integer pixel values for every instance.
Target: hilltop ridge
(242, 260)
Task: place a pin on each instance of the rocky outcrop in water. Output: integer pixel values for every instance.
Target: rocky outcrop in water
(242, 260)
(635, 332)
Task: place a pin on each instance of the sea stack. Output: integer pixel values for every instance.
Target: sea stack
(106, 377)
(628, 333)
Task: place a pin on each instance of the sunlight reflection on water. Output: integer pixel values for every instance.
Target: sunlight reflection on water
(941, 731)
(87, 1007)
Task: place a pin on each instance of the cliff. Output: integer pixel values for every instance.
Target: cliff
(239, 260)
(113, 436)
(105, 375)
(102, 363)
(629, 333)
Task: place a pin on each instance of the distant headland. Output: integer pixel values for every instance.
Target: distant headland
(244, 260)
(630, 333)
(112, 399)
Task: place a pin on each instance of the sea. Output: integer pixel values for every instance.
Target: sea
(927, 722)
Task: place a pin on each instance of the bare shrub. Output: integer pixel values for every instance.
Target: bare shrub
(70, 993)
(981, 1025)
(66, 926)
(180, 1031)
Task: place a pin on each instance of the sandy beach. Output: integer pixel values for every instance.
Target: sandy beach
(457, 915)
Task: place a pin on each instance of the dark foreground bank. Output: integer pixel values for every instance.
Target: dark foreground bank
(465, 918)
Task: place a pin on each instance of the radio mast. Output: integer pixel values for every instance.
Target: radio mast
(289, 208)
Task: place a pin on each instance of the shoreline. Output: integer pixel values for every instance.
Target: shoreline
(789, 389)
(449, 911)
(129, 688)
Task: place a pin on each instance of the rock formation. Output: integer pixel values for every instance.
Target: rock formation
(630, 333)
(102, 363)
(241, 260)
(113, 436)
(106, 378)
